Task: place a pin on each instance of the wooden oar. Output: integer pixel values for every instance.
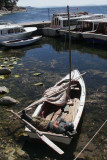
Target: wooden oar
(40, 134)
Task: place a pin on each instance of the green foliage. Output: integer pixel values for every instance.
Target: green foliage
(7, 3)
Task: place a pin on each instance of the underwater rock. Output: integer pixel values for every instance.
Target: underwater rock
(3, 90)
(8, 101)
(4, 71)
(9, 150)
(21, 153)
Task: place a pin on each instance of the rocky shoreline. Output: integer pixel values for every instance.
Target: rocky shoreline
(14, 9)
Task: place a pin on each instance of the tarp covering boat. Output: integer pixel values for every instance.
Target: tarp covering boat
(59, 94)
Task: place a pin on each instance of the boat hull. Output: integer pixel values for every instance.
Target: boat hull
(95, 38)
(23, 42)
(53, 137)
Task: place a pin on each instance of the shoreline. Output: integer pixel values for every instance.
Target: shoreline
(14, 10)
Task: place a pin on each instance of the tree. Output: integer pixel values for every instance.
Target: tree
(8, 3)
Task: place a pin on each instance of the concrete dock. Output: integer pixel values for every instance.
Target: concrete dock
(40, 24)
(44, 29)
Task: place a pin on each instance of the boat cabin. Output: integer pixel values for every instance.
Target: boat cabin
(61, 20)
(10, 29)
(102, 28)
(87, 25)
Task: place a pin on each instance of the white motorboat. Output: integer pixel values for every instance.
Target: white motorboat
(9, 32)
(60, 21)
(84, 26)
(21, 42)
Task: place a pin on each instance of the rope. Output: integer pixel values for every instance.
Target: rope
(91, 139)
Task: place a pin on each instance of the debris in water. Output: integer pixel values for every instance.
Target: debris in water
(38, 84)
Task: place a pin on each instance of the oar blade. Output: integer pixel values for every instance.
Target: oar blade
(51, 144)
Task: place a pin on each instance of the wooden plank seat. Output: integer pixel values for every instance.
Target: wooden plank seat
(73, 109)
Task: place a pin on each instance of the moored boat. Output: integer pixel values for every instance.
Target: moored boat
(84, 26)
(59, 22)
(21, 42)
(64, 111)
(99, 36)
(9, 31)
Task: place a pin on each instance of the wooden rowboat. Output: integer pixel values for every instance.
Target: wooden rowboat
(71, 112)
(21, 42)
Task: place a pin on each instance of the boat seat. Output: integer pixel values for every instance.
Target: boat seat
(73, 109)
(53, 112)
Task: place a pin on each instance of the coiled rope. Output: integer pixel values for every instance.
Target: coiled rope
(91, 139)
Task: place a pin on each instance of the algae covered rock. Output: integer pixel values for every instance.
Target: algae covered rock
(8, 101)
(3, 90)
(4, 71)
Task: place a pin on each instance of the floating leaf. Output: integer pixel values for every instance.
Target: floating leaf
(6, 59)
(1, 58)
(19, 59)
(16, 76)
(13, 58)
(2, 77)
(38, 84)
(2, 66)
(5, 62)
(14, 62)
(36, 74)
(11, 65)
(20, 64)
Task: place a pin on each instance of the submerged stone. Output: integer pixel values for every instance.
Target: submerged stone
(8, 101)
(9, 150)
(20, 152)
(3, 90)
(4, 71)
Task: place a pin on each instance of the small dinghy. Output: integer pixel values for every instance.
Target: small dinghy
(60, 110)
(21, 42)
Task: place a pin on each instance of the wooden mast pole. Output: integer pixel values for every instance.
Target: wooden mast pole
(69, 47)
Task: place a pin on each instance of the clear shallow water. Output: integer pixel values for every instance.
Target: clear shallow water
(50, 58)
